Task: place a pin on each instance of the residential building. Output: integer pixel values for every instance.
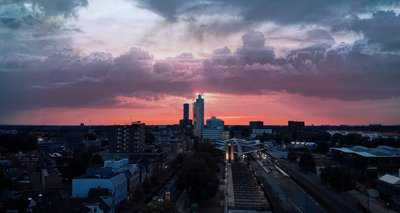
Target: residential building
(129, 138)
(131, 171)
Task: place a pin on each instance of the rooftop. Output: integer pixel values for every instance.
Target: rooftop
(380, 151)
(391, 179)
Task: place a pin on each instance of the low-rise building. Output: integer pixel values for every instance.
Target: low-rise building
(131, 171)
(212, 134)
(214, 130)
(379, 160)
(259, 132)
(256, 124)
(103, 178)
(389, 189)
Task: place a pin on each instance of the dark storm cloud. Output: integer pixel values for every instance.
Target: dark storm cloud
(279, 11)
(254, 49)
(381, 29)
(67, 80)
(49, 7)
(342, 72)
(339, 15)
(32, 29)
(23, 13)
(38, 70)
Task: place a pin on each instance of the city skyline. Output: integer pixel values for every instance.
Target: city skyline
(179, 113)
(319, 61)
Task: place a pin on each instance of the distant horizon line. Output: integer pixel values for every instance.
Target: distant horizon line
(171, 124)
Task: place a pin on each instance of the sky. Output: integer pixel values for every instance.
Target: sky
(113, 62)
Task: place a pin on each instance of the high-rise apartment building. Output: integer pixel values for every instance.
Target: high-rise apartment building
(129, 138)
(198, 115)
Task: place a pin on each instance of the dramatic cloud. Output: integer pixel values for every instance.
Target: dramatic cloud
(68, 80)
(33, 29)
(379, 30)
(342, 72)
(71, 54)
(257, 11)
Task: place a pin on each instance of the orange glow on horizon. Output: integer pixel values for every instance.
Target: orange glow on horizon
(273, 109)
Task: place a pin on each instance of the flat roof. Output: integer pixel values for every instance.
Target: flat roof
(390, 179)
(380, 151)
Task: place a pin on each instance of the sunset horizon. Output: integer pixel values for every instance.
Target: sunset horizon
(87, 61)
(208, 106)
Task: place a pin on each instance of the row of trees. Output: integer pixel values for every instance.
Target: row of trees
(17, 142)
(338, 178)
(305, 160)
(198, 175)
(77, 166)
(287, 136)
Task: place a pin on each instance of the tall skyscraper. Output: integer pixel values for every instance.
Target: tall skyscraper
(185, 122)
(198, 115)
(185, 111)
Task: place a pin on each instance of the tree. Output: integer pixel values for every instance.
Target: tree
(322, 147)
(352, 139)
(339, 178)
(198, 179)
(5, 182)
(146, 185)
(178, 161)
(96, 160)
(292, 157)
(18, 142)
(76, 166)
(198, 175)
(307, 162)
(156, 206)
(138, 194)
